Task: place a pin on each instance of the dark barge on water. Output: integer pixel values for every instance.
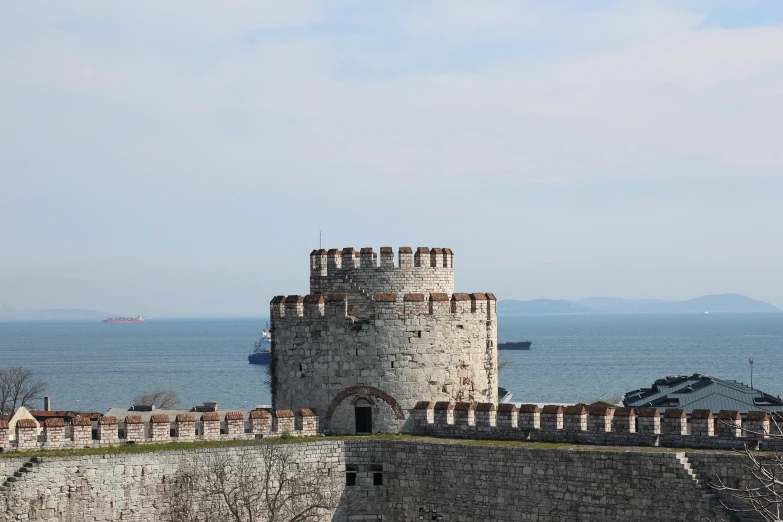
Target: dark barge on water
(515, 345)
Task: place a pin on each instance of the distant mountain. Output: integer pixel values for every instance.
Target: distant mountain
(58, 314)
(710, 303)
(541, 306)
(616, 305)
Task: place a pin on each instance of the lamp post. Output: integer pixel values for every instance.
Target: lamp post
(750, 361)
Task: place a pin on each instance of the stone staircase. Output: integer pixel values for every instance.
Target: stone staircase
(710, 495)
(19, 475)
(356, 288)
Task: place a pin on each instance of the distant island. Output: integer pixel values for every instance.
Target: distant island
(8, 313)
(727, 303)
(733, 303)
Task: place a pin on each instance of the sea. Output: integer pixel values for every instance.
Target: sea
(91, 366)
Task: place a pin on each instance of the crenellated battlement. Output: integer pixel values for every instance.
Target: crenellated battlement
(599, 424)
(322, 261)
(360, 275)
(159, 428)
(314, 306)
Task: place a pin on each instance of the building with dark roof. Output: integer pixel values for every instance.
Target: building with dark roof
(702, 392)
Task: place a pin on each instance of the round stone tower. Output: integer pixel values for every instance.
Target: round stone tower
(371, 340)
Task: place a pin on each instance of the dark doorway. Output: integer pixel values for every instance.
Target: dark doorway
(363, 419)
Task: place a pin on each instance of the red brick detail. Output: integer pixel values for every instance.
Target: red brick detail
(82, 421)
(601, 410)
(732, 415)
(675, 413)
(362, 390)
(358, 398)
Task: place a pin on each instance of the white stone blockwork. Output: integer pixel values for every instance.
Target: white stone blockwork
(370, 341)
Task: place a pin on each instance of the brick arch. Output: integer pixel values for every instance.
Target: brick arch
(363, 390)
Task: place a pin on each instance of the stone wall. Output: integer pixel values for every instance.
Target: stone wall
(403, 480)
(412, 346)
(458, 482)
(129, 487)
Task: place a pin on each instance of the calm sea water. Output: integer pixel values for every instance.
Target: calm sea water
(96, 366)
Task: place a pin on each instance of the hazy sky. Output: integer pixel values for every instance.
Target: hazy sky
(179, 158)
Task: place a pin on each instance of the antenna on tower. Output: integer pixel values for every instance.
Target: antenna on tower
(750, 361)
(319, 240)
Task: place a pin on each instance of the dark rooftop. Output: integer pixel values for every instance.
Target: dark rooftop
(702, 392)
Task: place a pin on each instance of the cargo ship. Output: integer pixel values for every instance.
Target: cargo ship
(138, 319)
(263, 348)
(515, 345)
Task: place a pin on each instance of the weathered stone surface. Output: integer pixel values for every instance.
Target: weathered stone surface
(388, 336)
(457, 482)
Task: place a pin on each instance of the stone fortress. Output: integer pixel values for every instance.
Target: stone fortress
(371, 340)
(390, 347)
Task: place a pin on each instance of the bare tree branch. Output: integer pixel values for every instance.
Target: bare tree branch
(266, 482)
(763, 496)
(161, 399)
(18, 387)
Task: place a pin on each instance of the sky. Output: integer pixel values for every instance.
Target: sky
(179, 158)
